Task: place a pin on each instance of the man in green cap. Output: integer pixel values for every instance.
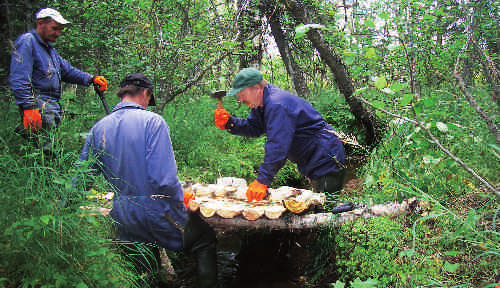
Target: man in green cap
(294, 130)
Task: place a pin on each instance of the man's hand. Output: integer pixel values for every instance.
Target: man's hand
(101, 82)
(256, 191)
(187, 197)
(32, 120)
(221, 118)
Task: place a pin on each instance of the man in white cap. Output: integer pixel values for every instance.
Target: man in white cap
(36, 72)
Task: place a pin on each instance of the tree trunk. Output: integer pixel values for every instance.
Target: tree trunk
(294, 72)
(248, 24)
(15, 19)
(334, 62)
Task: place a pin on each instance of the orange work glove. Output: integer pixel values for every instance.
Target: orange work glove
(101, 82)
(256, 191)
(187, 196)
(221, 118)
(32, 120)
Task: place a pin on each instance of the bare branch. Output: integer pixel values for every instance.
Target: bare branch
(170, 95)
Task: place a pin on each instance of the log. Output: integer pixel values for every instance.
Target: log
(292, 222)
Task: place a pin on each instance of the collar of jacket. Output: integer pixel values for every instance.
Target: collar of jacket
(265, 96)
(40, 41)
(127, 105)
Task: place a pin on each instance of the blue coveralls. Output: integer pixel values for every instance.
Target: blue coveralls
(36, 72)
(295, 131)
(131, 147)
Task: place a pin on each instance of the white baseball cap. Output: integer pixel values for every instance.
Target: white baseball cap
(52, 13)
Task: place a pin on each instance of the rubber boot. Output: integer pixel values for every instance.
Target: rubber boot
(330, 184)
(200, 239)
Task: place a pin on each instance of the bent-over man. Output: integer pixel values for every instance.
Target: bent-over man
(294, 130)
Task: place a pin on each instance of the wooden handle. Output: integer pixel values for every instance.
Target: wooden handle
(219, 104)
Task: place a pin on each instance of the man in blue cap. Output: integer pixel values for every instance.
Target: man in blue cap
(131, 147)
(37, 70)
(294, 130)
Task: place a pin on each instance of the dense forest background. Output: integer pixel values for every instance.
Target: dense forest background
(416, 82)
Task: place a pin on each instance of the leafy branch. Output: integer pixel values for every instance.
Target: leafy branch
(438, 143)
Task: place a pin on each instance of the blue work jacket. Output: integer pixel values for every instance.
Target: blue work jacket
(132, 148)
(295, 131)
(36, 71)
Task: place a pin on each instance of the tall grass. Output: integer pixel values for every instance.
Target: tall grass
(46, 240)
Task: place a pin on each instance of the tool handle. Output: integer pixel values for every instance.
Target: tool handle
(219, 104)
(101, 96)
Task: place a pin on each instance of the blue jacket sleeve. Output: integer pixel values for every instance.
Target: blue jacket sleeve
(252, 127)
(280, 132)
(21, 70)
(73, 75)
(161, 166)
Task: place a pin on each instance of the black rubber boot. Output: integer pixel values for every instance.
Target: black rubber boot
(330, 184)
(200, 239)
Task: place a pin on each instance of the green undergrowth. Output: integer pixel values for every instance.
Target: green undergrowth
(46, 239)
(453, 240)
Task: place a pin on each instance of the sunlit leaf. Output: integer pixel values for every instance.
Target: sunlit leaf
(370, 52)
(378, 104)
(451, 253)
(407, 252)
(428, 159)
(337, 284)
(349, 57)
(81, 285)
(302, 29)
(380, 82)
(429, 102)
(407, 98)
(369, 283)
(442, 127)
(452, 268)
(396, 87)
(387, 90)
(369, 23)
(358, 91)
(45, 219)
(370, 181)
(384, 15)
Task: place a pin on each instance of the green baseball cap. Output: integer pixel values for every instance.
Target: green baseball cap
(246, 77)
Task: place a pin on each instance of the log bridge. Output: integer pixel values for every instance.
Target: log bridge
(291, 222)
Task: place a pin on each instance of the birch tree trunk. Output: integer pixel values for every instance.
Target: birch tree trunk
(339, 70)
(298, 81)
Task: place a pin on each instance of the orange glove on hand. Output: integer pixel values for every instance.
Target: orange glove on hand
(256, 191)
(101, 82)
(221, 118)
(32, 120)
(187, 196)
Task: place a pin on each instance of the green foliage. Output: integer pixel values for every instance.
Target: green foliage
(370, 248)
(46, 240)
